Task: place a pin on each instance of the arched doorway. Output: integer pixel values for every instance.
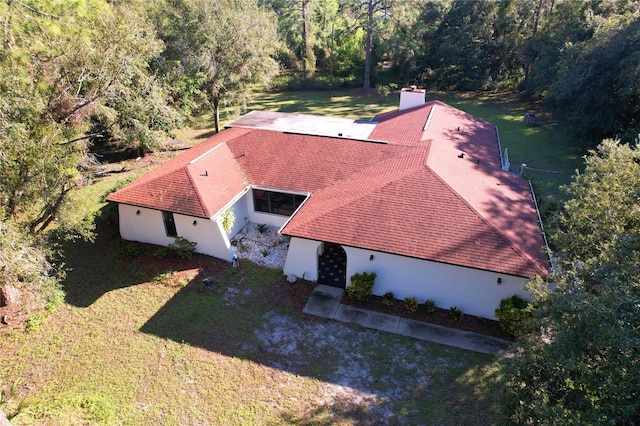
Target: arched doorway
(332, 265)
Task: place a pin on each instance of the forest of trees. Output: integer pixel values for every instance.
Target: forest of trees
(76, 76)
(579, 58)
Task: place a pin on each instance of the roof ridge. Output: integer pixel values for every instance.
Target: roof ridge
(196, 190)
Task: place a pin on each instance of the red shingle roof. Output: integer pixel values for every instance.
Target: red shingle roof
(198, 182)
(415, 196)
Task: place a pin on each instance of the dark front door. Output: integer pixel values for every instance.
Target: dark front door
(332, 266)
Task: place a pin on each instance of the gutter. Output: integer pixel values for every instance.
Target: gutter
(544, 235)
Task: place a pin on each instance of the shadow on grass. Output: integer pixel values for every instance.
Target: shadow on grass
(90, 264)
(109, 263)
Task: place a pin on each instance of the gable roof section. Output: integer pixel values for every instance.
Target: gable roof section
(503, 199)
(198, 182)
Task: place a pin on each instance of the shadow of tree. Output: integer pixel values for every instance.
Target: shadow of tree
(108, 263)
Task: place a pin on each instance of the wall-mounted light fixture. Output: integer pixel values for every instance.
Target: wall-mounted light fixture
(371, 258)
(138, 213)
(195, 223)
(499, 281)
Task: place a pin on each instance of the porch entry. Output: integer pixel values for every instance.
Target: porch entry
(332, 265)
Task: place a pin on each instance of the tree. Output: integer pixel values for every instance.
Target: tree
(26, 267)
(597, 232)
(582, 365)
(223, 45)
(370, 14)
(296, 26)
(597, 89)
(59, 66)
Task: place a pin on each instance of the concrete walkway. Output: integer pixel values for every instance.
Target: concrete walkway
(325, 302)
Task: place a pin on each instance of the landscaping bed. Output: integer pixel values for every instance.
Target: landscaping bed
(439, 316)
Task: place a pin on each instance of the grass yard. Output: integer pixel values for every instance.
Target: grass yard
(143, 341)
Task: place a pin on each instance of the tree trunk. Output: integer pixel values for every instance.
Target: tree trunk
(216, 109)
(305, 36)
(367, 46)
(536, 22)
(40, 224)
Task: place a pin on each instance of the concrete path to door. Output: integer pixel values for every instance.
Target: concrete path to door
(325, 302)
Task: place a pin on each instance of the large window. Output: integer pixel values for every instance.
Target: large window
(169, 224)
(276, 202)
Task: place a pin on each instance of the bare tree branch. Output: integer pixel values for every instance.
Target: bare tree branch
(91, 135)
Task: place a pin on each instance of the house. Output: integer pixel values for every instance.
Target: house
(417, 195)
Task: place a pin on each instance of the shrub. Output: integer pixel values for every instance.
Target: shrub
(411, 304)
(430, 306)
(515, 315)
(262, 228)
(183, 248)
(383, 89)
(34, 322)
(228, 220)
(456, 313)
(160, 253)
(131, 251)
(361, 287)
(388, 299)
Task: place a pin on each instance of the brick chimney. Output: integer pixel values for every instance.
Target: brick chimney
(411, 97)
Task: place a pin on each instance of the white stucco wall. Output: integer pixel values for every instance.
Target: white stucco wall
(474, 291)
(302, 259)
(241, 212)
(148, 227)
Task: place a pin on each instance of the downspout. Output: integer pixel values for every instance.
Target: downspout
(500, 154)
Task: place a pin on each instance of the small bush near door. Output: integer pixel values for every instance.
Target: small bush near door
(361, 288)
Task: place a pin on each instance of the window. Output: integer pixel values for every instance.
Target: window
(276, 202)
(169, 224)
